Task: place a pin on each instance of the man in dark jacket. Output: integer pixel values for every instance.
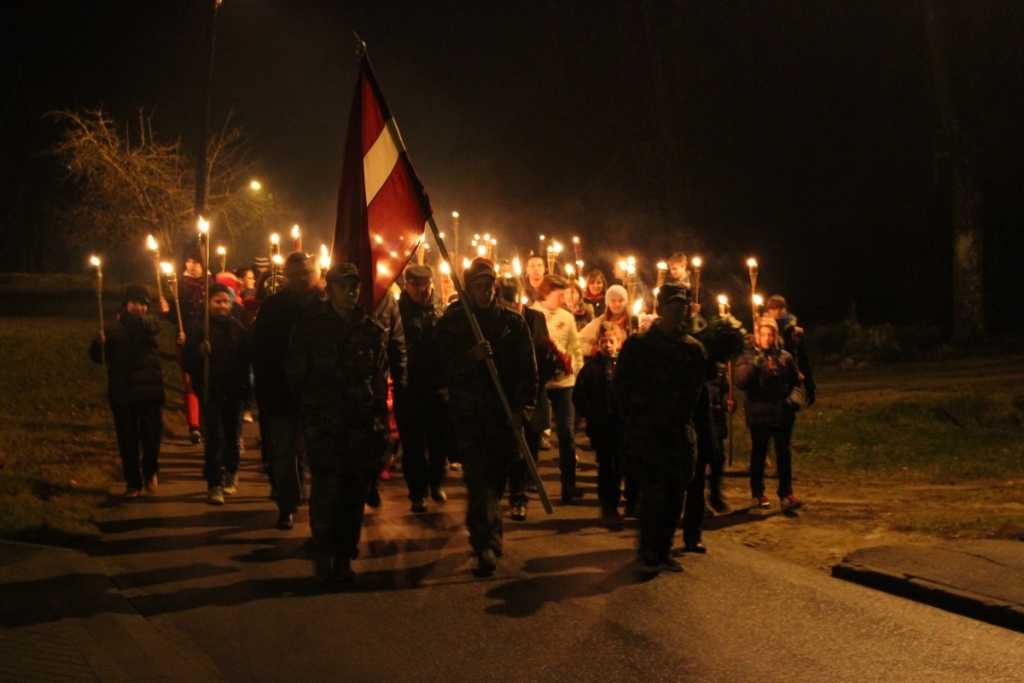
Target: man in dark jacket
(332, 367)
(280, 423)
(221, 400)
(657, 381)
(487, 441)
(774, 394)
(420, 411)
(135, 387)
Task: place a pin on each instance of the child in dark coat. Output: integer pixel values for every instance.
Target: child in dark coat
(593, 400)
(135, 386)
(221, 402)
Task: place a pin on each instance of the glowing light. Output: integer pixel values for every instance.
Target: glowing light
(723, 299)
(758, 300)
(440, 235)
(575, 240)
(383, 269)
(662, 265)
(465, 263)
(445, 268)
(622, 265)
(455, 214)
(696, 262)
(558, 248)
(631, 260)
(569, 269)
(638, 306)
(655, 292)
(394, 254)
(325, 257)
(481, 250)
(274, 239)
(295, 232)
(150, 242)
(516, 266)
(166, 267)
(204, 225)
(524, 300)
(94, 260)
(378, 239)
(221, 251)
(583, 283)
(278, 259)
(751, 263)
(255, 185)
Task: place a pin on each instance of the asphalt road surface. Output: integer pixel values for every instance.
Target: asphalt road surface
(237, 598)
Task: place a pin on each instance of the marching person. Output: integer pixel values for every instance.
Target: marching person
(550, 361)
(191, 295)
(615, 311)
(420, 410)
(487, 442)
(535, 270)
(332, 368)
(221, 399)
(793, 342)
(592, 397)
(770, 378)
(135, 387)
(657, 381)
(280, 421)
(562, 330)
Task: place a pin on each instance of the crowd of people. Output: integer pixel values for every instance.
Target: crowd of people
(477, 383)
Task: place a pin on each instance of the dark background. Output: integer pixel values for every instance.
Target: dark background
(802, 133)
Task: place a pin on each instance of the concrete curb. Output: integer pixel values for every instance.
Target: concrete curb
(958, 601)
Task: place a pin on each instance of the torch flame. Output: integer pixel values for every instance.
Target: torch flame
(204, 225)
(295, 231)
(481, 250)
(325, 257)
(638, 306)
(221, 251)
(696, 262)
(166, 267)
(662, 265)
(274, 239)
(445, 268)
(758, 300)
(751, 263)
(583, 283)
(455, 214)
(516, 266)
(278, 259)
(465, 263)
(150, 242)
(569, 270)
(723, 299)
(575, 240)
(94, 260)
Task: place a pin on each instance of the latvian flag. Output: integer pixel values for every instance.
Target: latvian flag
(382, 206)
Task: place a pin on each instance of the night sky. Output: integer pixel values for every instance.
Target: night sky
(802, 133)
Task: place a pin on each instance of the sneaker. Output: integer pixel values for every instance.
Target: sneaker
(519, 512)
(668, 564)
(761, 501)
(790, 502)
(438, 494)
(486, 562)
(545, 443)
(247, 416)
(419, 504)
(152, 483)
(215, 496)
(194, 435)
(231, 482)
(130, 493)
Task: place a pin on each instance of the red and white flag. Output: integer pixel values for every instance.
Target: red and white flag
(382, 206)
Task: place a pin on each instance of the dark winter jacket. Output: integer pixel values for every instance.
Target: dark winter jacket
(470, 388)
(332, 365)
(771, 382)
(658, 379)
(593, 399)
(134, 372)
(269, 336)
(718, 394)
(229, 359)
(418, 323)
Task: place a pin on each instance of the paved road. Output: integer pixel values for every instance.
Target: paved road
(235, 598)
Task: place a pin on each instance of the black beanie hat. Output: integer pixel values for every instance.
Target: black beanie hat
(137, 293)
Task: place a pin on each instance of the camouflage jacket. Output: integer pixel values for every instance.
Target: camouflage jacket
(332, 365)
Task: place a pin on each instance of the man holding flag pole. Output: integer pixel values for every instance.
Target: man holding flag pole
(382, 208)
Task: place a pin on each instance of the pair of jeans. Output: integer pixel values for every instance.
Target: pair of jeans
(564, 416)
(223, 429)
(139, 424)
(781, 436)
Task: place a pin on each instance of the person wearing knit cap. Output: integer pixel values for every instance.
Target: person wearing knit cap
(487, 441)
(135, 387)
(616, 311)
(222, 392)
(769, 377)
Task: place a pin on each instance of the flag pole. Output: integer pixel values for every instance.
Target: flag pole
(524, 449)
